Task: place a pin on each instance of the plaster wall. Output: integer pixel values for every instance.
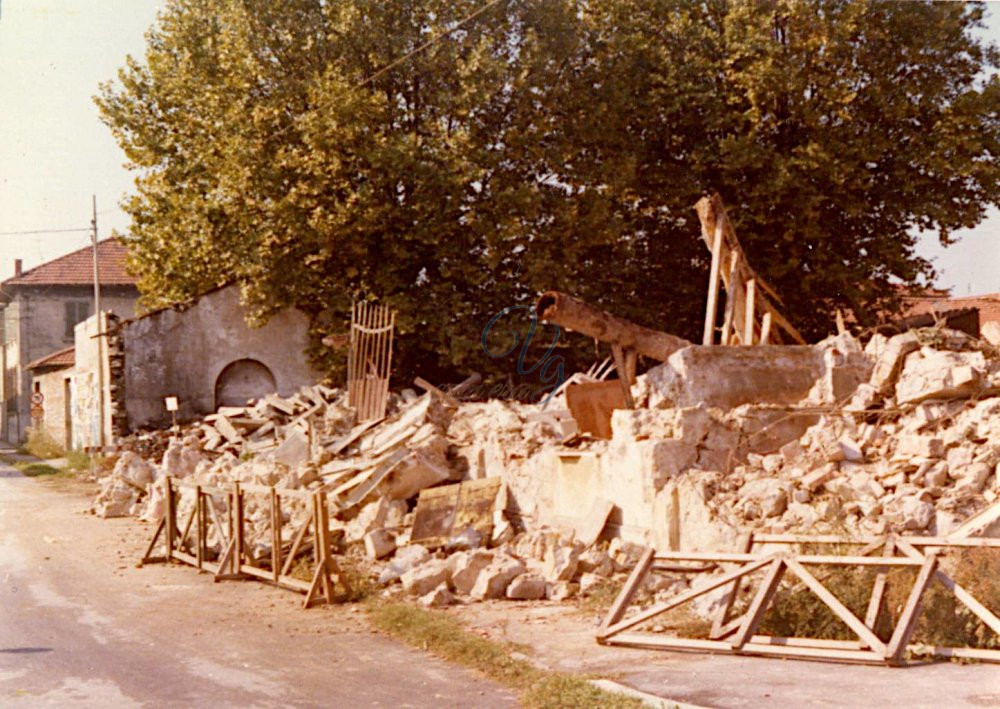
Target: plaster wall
(182, 353)
(53, 386)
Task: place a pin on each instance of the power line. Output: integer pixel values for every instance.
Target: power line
(430, 42)
(42, 231)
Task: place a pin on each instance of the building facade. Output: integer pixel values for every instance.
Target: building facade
(41, 309)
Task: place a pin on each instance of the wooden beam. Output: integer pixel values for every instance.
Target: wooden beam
(760, 603)
(838, 608)
(711, 308)
(911, 612)
(629, 590)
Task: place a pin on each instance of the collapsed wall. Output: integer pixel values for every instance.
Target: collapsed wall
(903, 435)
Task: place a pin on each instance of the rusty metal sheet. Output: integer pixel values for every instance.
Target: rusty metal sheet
(591, 404)
(444, 511)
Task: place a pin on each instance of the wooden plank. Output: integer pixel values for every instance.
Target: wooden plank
(626, 386)
(337, 446)
(713, 285)
(807, 642)
(970, 653)
(808, 559)
(275, 535)
(750, 315)
(732, 296)
(170, 514)
(682, 598)
(296, 543)
(647, 640)
(765, 329)
(629, 590)
(152, 542)
(911, 612)
(967, 599)
(878, 589)
(834, 604)
(760, 603)
(722, 616)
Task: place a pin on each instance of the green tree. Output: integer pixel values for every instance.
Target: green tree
(549, 144)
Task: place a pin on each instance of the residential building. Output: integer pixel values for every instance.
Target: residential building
(40, 309)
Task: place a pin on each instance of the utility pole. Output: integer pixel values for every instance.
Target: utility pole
(100, 326)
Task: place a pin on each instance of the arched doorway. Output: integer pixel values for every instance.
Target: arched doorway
(241, 381)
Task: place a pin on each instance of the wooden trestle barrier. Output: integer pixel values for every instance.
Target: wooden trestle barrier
(189, 544)
(739, 635)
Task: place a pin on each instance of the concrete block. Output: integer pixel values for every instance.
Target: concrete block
(492, 581)
(406, 558)
(561, 562)
(819, 477)
(561, 590)
(890, 361)
(414, 474)
(991, 332)
(917, 446)
(437, 598)
(526, 587)
(932, 374)
(425, 578)
(465, 568)
(294, 450)
(379, 543)
(727, 377)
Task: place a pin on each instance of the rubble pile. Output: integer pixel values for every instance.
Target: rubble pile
(914, 450)
(900, 435)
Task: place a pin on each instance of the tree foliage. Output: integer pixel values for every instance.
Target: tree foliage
(549, 144)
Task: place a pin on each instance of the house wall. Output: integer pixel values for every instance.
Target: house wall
(35, 326)
(90, 355)
(53, 385)
(182, 353)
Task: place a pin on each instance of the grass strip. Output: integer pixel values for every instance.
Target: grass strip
(447, 638)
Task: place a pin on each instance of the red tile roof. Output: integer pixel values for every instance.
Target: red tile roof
(77, 268)
(56, 360)
(988, 305)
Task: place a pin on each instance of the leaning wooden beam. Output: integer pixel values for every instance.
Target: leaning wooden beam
(911, 612)
(760, 603)
(838, 608)
(967, 599)
(712, 215)
(629, 589)
(574, 314)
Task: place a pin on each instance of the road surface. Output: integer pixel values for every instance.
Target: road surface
(80, 625)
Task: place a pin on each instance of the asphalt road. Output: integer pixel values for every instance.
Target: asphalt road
(80, 625)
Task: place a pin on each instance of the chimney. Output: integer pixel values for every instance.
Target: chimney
(17, 268)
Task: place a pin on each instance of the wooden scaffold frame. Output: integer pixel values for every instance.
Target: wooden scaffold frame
(751, 315)
(739, 635)
(190, 544)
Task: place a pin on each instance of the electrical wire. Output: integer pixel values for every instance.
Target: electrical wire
(44, 231)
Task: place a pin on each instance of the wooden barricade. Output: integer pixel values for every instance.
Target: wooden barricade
(369, 360)
(189, 543)
(739, 635)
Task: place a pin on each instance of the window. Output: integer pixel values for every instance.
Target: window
(76, 312)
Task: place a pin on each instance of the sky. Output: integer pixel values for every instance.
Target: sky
(55, 153)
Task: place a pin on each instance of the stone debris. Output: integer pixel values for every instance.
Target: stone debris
(901, 435)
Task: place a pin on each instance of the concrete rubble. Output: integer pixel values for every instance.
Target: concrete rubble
(899, 435)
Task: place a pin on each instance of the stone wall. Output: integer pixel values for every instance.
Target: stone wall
(182, 353)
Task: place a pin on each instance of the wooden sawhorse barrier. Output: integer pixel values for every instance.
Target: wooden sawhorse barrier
(189, 544)
(738, 636)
